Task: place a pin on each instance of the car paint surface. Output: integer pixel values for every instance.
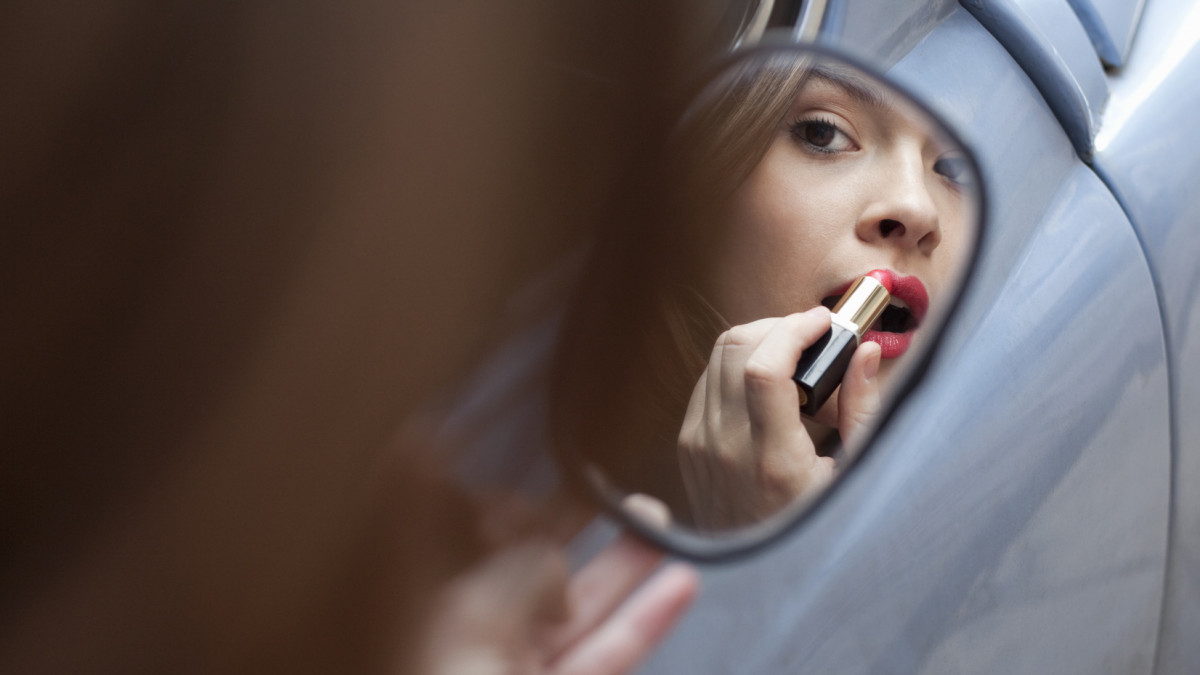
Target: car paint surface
(1149, 154)
(1111, 25)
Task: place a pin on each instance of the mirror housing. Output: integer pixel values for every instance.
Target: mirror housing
(656, 308)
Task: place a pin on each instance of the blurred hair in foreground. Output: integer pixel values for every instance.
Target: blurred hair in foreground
(241, 242)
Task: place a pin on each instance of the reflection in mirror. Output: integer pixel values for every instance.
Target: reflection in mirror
(698, 376)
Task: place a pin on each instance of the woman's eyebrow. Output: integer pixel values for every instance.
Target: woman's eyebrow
(863, 92)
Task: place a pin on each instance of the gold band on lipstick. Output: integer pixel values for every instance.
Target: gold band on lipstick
(861, 305)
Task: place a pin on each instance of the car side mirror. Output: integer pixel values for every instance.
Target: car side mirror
(693, 395)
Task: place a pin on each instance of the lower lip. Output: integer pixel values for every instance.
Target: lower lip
(891, 345)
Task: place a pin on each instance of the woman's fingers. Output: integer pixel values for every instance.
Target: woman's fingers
(772, 399)
(524, 583)
(859, 398)
(744, 450)
(648, 509)
(717, 405)
(489, 621)
(624, 639)
(749, 375)
(726, 381)
(785, 456)
(596, 590)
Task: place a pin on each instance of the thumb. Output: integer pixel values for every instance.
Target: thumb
(859, 398)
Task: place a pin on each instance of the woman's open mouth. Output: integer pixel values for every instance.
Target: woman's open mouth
(894, 329)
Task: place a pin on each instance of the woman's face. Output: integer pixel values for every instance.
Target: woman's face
(854, 180)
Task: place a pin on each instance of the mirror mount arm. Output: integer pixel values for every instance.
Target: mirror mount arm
(803, 16)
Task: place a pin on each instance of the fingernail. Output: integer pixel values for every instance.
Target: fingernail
(871, 367)
(818, 311)
(873, 356)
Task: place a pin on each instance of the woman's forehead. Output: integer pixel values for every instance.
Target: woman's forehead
(850, 84)
(871, 97)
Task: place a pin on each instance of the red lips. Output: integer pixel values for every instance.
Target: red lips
(885, 278)
(912, 292)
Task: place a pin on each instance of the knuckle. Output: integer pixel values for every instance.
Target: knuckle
(760, 375)
(740, 335)
(781, 481)
(800, 323)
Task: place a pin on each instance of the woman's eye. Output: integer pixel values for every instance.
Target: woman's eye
(953, 168)
(821, 136)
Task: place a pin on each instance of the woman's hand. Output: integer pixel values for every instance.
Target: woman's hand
(744, 450)
(519, 613)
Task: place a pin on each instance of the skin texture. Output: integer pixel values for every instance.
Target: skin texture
(852, 181)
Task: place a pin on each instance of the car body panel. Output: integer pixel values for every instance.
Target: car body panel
(1046, 38)
(1148, 152)
(1111, 25)
(883, 37)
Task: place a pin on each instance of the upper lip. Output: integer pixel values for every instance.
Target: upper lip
(908, 290)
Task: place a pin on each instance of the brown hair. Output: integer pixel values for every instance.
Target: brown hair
(640, 330)
(736, 117)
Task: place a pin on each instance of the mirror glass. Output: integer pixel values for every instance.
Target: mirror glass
(699, 388)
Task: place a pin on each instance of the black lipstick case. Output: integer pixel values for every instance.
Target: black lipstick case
(823, 364)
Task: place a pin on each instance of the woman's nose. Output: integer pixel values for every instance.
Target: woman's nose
(901, 211)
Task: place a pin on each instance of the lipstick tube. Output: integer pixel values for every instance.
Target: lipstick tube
(823, 365)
